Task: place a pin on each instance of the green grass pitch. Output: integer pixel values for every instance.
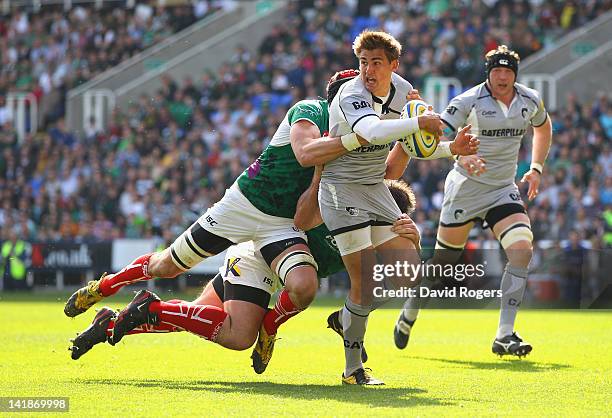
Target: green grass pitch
(447, 370)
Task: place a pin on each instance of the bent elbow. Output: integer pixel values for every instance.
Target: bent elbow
(306, 161)
(303, 159)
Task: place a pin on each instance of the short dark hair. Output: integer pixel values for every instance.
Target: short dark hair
(403, 195)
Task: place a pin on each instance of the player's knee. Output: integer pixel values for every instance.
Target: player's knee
(296, 263)
(520, 253)
(516, 240)
(302, 285)
(241, 343)
(161, 265)
(523, 245)
(446, 252)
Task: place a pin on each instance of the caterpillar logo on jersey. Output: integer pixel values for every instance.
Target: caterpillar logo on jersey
(352, 211)
(232, 267)
(503, 132)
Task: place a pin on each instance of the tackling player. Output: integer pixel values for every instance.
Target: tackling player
(500, 110)
(242, 288)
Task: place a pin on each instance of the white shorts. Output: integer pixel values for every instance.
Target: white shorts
(358, 216)
(230, 221)
(243, 265)
(466, 200)
(360, 239)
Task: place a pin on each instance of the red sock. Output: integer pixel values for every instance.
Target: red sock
(162, 327)
(283, 310)
(148, 329)
(202, 320)
(134, 272)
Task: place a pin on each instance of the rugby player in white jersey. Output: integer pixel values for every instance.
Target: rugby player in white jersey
(500, 111)
(355, 204)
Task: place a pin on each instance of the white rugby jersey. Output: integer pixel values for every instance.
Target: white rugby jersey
(499, 128)
(353, 102)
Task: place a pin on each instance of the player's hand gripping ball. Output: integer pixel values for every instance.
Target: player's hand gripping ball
(422, 143)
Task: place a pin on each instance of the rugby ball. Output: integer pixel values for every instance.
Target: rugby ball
(420, 144)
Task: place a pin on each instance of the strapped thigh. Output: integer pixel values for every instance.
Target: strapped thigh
(196, 244)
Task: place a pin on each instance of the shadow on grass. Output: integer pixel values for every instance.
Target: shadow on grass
(373, 397)
(515, 365)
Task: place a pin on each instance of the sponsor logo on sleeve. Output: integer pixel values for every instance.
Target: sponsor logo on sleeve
(451, 110)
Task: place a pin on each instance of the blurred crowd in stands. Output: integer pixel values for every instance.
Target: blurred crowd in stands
(171, 155)
(54, 50)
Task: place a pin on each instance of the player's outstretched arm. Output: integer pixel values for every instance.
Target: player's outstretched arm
(307, 212)
(310, 149)
(380, 132)
(464, 144)
(542, 138)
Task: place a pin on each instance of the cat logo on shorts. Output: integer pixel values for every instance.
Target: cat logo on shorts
(458, 213)
(352, 211)
(232, 267)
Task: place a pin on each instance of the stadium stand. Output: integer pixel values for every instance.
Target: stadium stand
(53, 50)
(173, 152)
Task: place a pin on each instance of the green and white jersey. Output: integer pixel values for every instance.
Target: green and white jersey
(499, 128)
(325, 251)
(275, 181)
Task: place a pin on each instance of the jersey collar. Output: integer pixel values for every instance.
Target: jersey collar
(387, 103)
